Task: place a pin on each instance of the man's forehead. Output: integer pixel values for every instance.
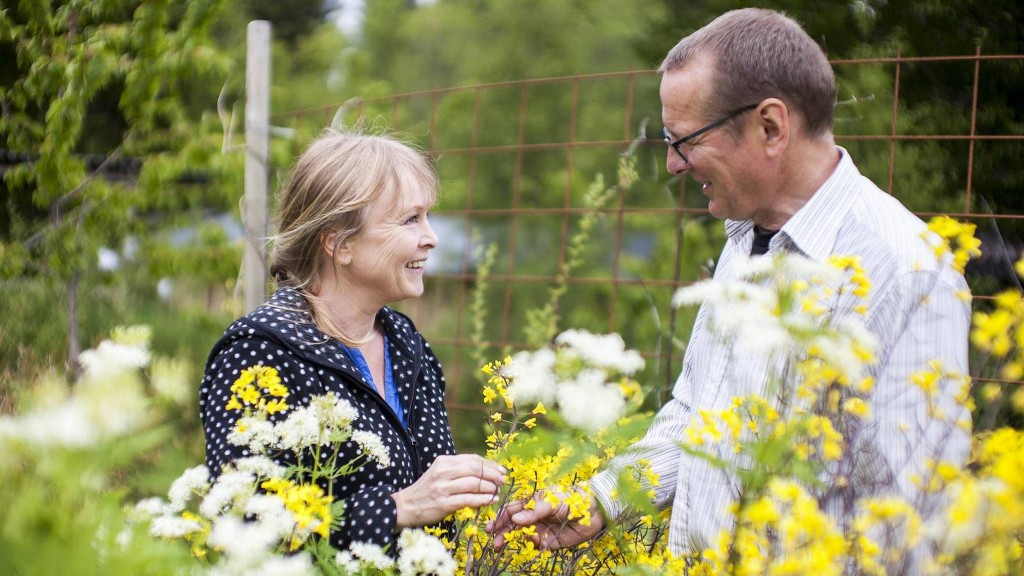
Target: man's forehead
(684, 92)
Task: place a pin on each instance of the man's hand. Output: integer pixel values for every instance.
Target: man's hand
(553, 527)
(451, 483)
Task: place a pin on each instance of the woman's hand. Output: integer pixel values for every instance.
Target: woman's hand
(451, 483)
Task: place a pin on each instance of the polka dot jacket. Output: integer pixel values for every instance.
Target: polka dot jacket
(281, 334)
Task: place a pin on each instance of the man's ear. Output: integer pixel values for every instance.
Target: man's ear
(340, 253)
(774, 126)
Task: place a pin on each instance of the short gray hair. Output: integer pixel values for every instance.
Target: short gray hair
(758, 54)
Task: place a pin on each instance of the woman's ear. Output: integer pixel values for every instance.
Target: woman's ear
(337, 251)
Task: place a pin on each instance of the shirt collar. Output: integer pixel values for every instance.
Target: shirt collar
(813, 229)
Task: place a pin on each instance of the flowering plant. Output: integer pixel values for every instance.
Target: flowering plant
(260, 517)
(791, 442)
(558, 415)
(70, 453)
(782, 442)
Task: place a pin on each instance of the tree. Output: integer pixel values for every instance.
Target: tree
(94, 101)
(291, 20)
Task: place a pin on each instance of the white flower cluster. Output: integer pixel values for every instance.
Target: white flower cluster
(359, 553)
(607, 351)
(247, 549)
(194, 481)
(230, 492)
(327, 420)
(107, 402)
(111, 357)
(763, 311)
(580, 377)
(373, 447)
(422, 554)
(532, 376)
(248, 526)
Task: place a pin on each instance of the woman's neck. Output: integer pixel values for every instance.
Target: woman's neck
(355, 320)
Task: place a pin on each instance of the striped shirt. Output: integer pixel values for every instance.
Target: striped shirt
(915, 311)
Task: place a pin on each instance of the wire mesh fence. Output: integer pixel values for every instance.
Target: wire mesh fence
(516, 158)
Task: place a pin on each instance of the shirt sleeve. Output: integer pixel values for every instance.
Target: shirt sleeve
(911, 427)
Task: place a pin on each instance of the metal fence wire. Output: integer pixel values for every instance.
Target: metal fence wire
(515, 158)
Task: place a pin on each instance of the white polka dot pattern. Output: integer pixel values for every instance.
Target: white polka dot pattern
(281, 334)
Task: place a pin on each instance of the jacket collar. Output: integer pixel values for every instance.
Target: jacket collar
(286, 318)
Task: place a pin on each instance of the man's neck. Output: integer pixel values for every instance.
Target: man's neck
(809, 164)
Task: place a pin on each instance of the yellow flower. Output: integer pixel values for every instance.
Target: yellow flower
(496, 417)
(861, 286)
(275, 406)
(991, 391)
(761, 512)
(539, 409)
(307, 502)
(530, 423)
(949, 237)
(464, 514)
(250, 395)
(926, 380)
(233, 404)
(489, 394)
(991, 331)
(1017, 399)
(248, 390)
(857, 407)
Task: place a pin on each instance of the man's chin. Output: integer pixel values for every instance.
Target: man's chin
(717, 211)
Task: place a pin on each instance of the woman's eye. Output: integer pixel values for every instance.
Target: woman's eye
(412, 219)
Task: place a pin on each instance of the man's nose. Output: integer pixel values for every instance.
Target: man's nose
(674, 163)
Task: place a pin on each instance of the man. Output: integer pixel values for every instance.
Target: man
(748, 107)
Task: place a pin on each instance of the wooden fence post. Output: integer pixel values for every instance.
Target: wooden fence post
(257, 164)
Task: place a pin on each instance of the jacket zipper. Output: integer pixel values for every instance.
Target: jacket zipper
(411, 444)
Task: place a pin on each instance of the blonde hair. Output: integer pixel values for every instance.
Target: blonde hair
(327, 199)
(758, 54)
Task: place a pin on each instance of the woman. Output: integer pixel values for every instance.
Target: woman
(353, 236)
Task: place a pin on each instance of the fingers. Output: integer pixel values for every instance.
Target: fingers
(526, 517)
(505, 514)
(502, 523)
(516, 515)
(450, 483)
(553, 529)
(468, 465)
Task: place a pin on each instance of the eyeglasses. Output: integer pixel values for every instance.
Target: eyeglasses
(675, 144)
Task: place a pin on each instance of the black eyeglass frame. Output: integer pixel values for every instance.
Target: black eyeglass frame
(675, 144)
